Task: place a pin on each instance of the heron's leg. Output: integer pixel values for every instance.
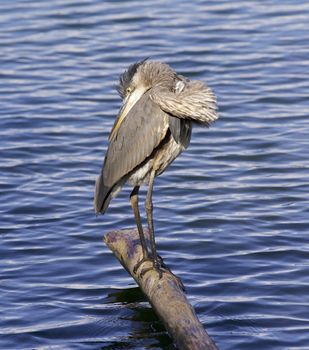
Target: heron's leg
(149, 212)
(134, 204)
(158, 263)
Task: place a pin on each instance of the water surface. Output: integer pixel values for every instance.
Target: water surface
(231, 213)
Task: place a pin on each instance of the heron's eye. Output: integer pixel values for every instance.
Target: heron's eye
(128, 90)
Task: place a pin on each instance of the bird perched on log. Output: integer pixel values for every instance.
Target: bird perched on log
(153, 127)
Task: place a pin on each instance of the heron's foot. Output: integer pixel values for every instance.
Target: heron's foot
(157, 265)
(138, 265)
(161, 267)
(147, 258)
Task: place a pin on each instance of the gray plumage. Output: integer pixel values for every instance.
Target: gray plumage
(152, 129)
(137, 137)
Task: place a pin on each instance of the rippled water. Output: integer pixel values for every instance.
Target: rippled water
(231, 213)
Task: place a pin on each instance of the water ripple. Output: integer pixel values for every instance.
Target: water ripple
(231, 213)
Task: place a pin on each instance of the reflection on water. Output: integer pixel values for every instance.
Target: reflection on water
(231, 213)
(146, 329)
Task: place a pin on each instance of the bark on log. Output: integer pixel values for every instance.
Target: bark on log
(165, 295)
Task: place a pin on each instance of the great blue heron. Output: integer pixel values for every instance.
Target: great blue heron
(153, 127)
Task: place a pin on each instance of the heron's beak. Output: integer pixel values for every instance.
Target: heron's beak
(129, 102)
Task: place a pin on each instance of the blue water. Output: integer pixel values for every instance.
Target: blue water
(231, 214)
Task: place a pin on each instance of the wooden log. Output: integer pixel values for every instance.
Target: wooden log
(165, 294)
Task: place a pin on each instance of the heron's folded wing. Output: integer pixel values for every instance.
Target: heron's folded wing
(142, 130)
(195, 102)
(180, 130)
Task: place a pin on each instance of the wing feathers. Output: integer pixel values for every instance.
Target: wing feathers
(139, 134)
(196, 102)
(102, 196)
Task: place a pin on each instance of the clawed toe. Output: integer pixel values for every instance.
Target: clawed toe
(138, 265)
(158, 269)
(159, 266)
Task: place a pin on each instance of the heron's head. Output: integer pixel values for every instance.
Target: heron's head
(137, 80)
(144, 75)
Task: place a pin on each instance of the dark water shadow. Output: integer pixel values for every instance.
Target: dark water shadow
(147, 331)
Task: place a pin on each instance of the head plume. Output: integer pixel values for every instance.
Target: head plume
(125, 78)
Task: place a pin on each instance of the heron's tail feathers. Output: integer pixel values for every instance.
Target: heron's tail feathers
(102, 196)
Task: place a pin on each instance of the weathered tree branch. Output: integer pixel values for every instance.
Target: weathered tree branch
(165, 294)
